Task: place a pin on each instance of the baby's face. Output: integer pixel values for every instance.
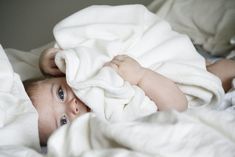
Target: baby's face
(56, 105)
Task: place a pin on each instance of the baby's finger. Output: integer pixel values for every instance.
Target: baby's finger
(116, 61)
(55, 49)
(56, 72)
(52, 54)
(106, 64)
(52, 64)
(112, 65)
(120, 57)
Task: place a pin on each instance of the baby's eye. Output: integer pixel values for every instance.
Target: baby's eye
(63, 120)
(61, 94)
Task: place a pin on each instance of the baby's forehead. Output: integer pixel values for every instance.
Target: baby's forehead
(55, 80)
(48, 81)
(41, 84)
(51, 83)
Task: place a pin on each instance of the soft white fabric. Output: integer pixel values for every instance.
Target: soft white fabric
(228, 102)
(18, 151)
(96, 34)
(196, 133)
(25, 63)
(18, 117)
(210, 23)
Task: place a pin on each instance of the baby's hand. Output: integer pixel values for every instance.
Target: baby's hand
(47, 62)
(128, 68)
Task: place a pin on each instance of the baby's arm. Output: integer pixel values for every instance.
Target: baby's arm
(225, 70)
(47, 62)
(158, 88)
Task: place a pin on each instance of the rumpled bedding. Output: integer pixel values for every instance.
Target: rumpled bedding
(197, 132)
(18, 117)
(25, 63)
(93, 36)
(209, 23)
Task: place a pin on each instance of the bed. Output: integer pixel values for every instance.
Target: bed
(201, 131)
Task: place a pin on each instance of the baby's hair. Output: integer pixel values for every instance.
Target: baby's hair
(30, 85)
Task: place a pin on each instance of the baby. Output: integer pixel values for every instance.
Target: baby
(57, 104)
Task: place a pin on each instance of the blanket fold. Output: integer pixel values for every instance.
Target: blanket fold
(160, 134)
(18, 117)
(93, 36)
(213, 29)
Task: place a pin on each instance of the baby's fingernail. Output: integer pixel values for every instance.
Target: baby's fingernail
(105, 64)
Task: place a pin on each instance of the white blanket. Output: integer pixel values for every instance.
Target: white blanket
(196, 133)
(210, 23)
(25, 63)
(96, 34)
(18, 117)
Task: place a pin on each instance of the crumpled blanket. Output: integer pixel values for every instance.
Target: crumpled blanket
(93, 36)
(210, 23)
(228, 102)
(195, 133)
(18, 117)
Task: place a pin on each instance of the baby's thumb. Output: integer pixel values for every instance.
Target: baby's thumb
(56, 72)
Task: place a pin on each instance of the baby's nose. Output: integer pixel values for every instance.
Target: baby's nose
(74, 106)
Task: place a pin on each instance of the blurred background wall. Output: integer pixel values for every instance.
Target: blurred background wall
(28, 24)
